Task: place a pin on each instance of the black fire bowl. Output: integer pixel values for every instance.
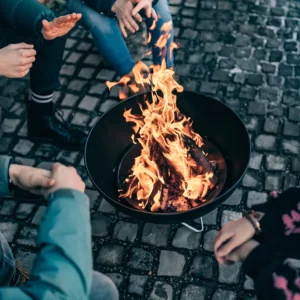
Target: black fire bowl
(110, 139)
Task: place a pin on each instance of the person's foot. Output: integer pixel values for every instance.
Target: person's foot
(46, 124)
(20, 276)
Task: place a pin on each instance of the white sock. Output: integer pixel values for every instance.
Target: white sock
(41, 98)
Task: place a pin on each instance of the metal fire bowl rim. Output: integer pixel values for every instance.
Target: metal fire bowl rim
(224, 195)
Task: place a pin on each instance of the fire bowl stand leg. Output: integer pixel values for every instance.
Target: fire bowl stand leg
(193, 228)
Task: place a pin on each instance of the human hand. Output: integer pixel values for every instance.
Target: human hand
(231, 236)
(242, 252)
(34, 180)
(16, 60)
(65, 178)
(146, 5)
(123, 10)
(59, 26)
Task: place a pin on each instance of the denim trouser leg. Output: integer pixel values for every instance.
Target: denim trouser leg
(164, 16)
(107, 36)
(103, 288)
(109, 40)
(7, 262)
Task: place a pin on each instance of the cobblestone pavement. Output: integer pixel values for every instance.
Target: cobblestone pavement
(243, 52)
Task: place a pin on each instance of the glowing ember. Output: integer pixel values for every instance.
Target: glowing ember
(171, 173)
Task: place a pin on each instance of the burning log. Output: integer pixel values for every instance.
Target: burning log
(179, 204)
(164, 198)
(203, 164)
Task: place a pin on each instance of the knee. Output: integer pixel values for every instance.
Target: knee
(78, 6)
(103, 288)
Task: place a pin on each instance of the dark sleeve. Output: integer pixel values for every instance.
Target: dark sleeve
(274, 275)
(25, 15)
(280, 214)
(4, 166)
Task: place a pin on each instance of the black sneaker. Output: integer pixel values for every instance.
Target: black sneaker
(46, 124)
(20, 276)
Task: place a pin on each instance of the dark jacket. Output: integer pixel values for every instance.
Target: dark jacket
(24, 15)
(275, 263)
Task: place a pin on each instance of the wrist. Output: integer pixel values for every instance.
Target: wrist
(252, 245)
(1, 68)
(13, 172)
(254, 222)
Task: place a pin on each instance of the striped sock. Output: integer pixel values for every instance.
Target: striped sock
(41, 98)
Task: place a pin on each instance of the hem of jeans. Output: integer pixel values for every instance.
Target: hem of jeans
(128, 70)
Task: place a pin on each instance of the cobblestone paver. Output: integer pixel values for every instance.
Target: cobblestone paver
(244, 53)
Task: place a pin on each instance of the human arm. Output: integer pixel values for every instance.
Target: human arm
(279, 218)
(16, 60)
(25, 15)
(33, 18)
(63, 267)
(275, 276)
(31, 179)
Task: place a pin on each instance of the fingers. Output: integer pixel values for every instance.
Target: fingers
(76, 17)
(233, 256)
(148, 11)
(21, 46)
(22, 74)
(221, 238)
(128, 25)
(63, 19)
(138, 7)
(55, 167)
(41, 179)
(46, 25)
(154, 14)
(28, 60)
(25, 68)
(27, 52)
(51, 182)
(228, 247)
(122, 27)
(132, 23)
(138, 17)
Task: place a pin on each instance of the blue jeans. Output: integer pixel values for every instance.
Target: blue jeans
(102, 287)
(110, 42)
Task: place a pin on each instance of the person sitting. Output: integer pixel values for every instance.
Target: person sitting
(98, 16)
(267, 240)
(33, 40)
(63, 266)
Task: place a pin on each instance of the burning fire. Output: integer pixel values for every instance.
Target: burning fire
(172, 172)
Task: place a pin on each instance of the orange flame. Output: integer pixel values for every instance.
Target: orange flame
(161, 124)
